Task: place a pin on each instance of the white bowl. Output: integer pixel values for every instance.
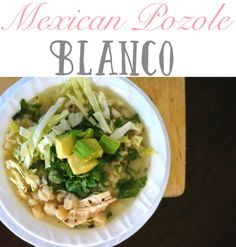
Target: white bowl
(19, 219)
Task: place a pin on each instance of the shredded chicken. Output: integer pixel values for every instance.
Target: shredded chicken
(88, 208)
(94, 199)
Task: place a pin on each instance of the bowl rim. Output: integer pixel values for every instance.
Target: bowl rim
(32, 238)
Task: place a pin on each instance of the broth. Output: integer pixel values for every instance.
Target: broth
(46, 99)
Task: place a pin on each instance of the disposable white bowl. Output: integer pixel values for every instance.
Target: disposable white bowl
(39, 233)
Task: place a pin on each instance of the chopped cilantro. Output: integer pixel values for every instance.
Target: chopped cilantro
(84, 125)
(133, 154)
(78, 186)
(121, 121)
(109, 214)
(55, 177)
(135, 118)
(60, 176)
(32, 110)
(130, 188)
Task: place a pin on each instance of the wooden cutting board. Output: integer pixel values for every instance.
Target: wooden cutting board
(168, 94)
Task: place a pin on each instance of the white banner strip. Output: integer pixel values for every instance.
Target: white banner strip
(118, 38)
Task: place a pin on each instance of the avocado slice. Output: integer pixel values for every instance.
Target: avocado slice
(89, 133)
(64, 145)
(76, 133)
(78, 166)
(109, 145)
(88, 149)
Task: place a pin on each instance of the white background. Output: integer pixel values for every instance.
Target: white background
(196, 53)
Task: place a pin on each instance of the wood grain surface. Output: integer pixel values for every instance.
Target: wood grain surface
(168, 94)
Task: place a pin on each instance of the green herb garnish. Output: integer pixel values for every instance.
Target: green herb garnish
(133, 154)
(32, 110)
(109, 214)
(130, 188)
(135, 118)
(55, 177)
(122, 120)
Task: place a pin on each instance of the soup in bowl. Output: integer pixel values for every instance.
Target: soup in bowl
(80, 157)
